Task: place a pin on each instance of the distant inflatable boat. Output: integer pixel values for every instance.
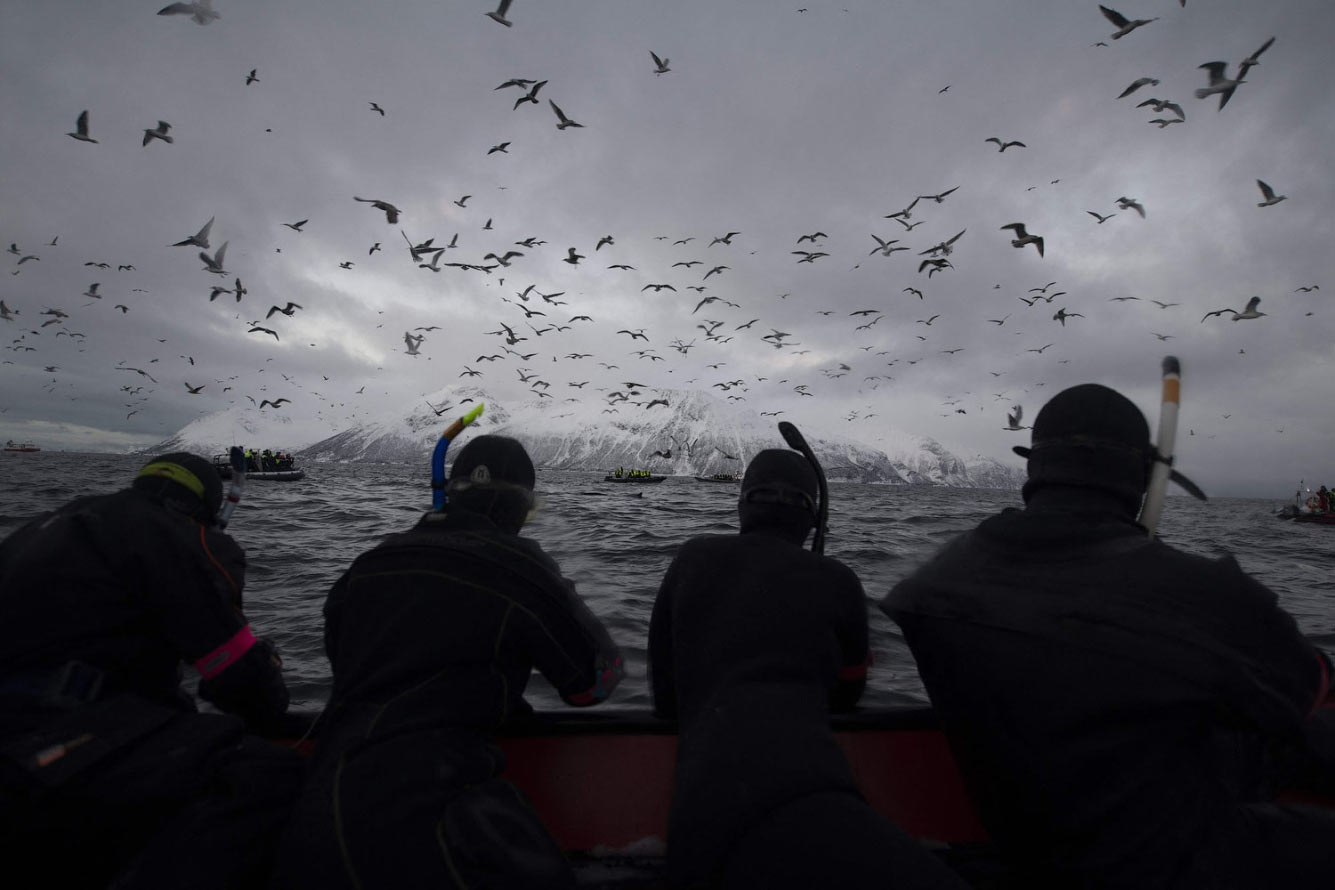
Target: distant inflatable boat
(224, 468)
(643, 480)
(719, 477)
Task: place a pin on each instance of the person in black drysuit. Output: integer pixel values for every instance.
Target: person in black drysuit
(432, 636)
(107, 770)
(1122, 712)
(753, 641)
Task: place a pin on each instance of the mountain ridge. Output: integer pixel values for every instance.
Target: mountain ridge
(672, 432)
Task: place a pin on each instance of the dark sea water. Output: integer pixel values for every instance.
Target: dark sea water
(615, 543)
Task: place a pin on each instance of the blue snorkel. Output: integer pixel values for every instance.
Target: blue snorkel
(438, 456)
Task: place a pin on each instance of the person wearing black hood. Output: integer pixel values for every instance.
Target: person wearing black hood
(432, 636)
(107, 770)
(753, 642)
(1122, 712)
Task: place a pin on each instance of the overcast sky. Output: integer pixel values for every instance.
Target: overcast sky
(773, 122)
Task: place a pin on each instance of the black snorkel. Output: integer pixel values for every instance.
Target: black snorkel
(795, 441)
(237, 458)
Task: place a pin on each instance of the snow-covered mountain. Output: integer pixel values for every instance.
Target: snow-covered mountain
(694, 433)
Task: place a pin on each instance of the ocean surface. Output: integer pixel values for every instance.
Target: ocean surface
(615, 543)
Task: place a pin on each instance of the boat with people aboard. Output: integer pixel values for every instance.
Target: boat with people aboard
(21, 447)
(1315, 508)
(719, 477)
(264, 466)
(643, 476)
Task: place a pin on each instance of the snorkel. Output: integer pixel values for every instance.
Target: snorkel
(1162, 472)
(237, 458)
(795, 441)
(438, 456)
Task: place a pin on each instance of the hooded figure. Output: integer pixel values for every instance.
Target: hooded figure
(1118, 708)
(432, 636)
(753, 642)
(106, 769)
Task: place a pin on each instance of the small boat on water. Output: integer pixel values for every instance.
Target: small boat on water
(719, 477)
(288, 474)
(21, 447)
(642, 480)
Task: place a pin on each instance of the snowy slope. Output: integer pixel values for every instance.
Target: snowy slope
(695, 433)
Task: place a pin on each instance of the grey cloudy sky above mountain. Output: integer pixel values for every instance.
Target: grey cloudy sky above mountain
(772, 122)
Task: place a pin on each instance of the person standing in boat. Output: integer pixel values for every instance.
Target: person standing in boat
(107, 770)
(432, 636)
(753, 642)
(1122, 712)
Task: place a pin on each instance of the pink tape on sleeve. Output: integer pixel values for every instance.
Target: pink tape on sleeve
(217, 661)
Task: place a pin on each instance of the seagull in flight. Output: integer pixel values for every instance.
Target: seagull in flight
(256, 329)
(201, 11)
(1124, 25)
(1269, 194)
(200, 238)
(1061, 315)
(1101, 219)
(81, 129)
(413, 343)
(937, 198)
(287, 310)
(1022, 237)
(1131, 204)
(296, 226)
(251, 77)
(276, 403)
(1160, 105)
(660, 65)
(1002, 146)
(563, 121)
(1219, 83)
(499, 14)
(1250, 312)
(1251, 61)
(1137, 84)
(214, 263)
(159, 133)
(1014, 417)
(391, 212)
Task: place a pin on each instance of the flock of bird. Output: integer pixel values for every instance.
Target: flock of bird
(535, 338)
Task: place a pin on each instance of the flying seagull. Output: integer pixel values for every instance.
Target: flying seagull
(1269, 194)
(391, 212)
(296, 226)
(159, 133)
(1124, 25)
(1251, 61)
(251, 78)
(1137, 84)
(1159, 105)
(1250, 312)
(201, 11)
(1101, 219)
(1131, 204)
(1013, 419)
(1219, 83)
(1022, 237)
(200, 238)
(661, 65)
(81, 129)
(563, 120)
(287, 310)
(214, 263)
(499, 14)
(1002, 146)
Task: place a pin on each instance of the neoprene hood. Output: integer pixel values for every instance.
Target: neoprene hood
(1090, 436)
(185, 482)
